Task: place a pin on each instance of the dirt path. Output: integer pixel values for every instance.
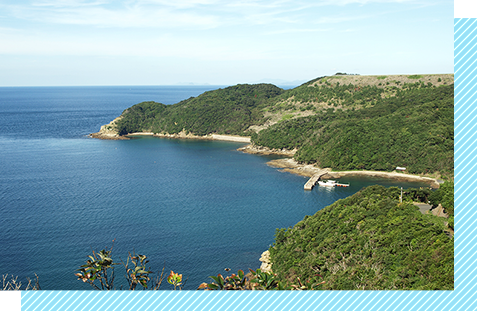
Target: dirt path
(423, 207)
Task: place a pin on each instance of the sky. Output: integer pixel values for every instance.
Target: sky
(219, 42)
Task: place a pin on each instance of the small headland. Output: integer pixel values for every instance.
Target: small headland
(108, 131)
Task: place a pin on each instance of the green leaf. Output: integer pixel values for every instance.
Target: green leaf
(213, 286)
(143, 283)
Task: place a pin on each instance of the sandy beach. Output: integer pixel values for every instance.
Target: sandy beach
(240, 139)
(107, 133)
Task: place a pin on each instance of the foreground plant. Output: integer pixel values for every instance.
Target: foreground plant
(255, 280)
(138, 273)
(233, 282)
(175, 279)
(98, 271)
(99, 267)
(12, 283)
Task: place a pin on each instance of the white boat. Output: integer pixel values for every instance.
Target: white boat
(328, 183)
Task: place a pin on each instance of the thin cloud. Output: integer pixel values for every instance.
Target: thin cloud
(180, 14)
(22, 42)
(178, 4)
(67, 3)
(340, 19)
(363, 2)
(297, 30)
(96, 14)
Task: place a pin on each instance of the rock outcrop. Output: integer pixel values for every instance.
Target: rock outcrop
(253, 149)
(266, 264)
(108, 131)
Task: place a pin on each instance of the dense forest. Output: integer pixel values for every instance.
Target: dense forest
(342, 122)
(225, 111)
(367, 241)
(413, 129)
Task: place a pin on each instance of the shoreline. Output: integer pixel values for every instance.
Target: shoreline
(260, 150)
(102, 134)
(183, 135)
(288, 164)
(308, 170)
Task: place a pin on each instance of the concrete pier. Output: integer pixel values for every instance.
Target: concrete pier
(314, 179)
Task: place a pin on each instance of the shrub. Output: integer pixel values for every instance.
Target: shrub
(99, 272)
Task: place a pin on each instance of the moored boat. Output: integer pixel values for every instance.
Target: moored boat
(331, 183)
(328, 183)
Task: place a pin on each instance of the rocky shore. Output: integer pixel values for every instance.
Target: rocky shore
(308, 170)
(290, 165)
(108, 131)
(252, 149)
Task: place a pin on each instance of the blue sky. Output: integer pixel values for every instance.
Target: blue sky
(162, 42)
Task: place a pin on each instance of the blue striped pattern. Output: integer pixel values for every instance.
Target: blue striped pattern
(247, 300)
(462, 298)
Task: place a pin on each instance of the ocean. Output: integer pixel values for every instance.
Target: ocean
(194, 207)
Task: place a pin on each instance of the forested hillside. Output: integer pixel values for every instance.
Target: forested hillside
(225, 111)
(345, 122)
(414, 128)
(367, 241)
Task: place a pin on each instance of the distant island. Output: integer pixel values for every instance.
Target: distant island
(343, 122)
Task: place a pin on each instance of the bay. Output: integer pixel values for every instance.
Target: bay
(195, 206)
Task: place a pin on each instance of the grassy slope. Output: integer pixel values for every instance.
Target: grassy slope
(344, 92)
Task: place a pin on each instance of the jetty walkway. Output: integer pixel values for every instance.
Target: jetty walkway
(314, 179)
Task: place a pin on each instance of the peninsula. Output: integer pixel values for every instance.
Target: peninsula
(343, 122)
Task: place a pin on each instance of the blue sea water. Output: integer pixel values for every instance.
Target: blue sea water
(196, 207)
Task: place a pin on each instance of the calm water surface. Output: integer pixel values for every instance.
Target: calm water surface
(198, 206)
